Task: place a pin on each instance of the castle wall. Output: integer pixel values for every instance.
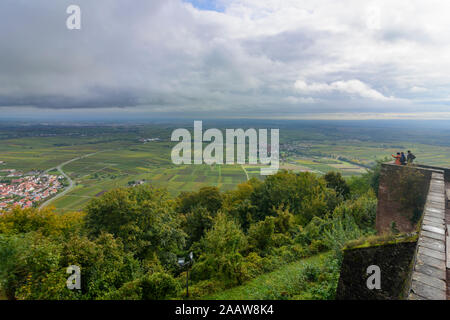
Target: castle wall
(395, 262)
(390, 208)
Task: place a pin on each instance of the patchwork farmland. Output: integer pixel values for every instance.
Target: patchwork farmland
(127, 155)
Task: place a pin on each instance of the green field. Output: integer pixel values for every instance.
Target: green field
(116, 168)
(116, 157)
(114, 164)
(367, 153)
(322, 165)
(175, 179)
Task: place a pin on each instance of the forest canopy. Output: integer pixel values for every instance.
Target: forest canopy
(127, 241)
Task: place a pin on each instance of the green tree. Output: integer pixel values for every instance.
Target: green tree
(207, 197)
(260, 234)
(373, 174)
(363, 210)
(237, 203)
(143, 218)
(105, 266)
(46, 221)
(197, 222)
(33, 266)
(156, 286)
(284, 220)
(304, 193)
(220, 253)
(339, 232)
(336, 181)
(224, 237)
(26, 258)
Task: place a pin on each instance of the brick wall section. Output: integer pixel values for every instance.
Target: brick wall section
(389, 208)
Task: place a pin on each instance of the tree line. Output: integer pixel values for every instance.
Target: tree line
(127, 241)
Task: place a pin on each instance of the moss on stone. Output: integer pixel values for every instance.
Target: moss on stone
(382, 240)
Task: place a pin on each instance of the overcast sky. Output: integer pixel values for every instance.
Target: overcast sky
(233, 58)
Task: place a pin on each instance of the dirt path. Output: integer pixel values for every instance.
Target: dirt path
(243, 168)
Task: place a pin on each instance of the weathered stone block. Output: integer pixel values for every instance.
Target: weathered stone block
(395, 262)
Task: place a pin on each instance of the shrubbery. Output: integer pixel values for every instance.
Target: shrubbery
(156, 286)
(127, 241)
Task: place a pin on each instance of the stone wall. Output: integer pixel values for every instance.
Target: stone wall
(414, 265)
(390, 208)
(395, 262)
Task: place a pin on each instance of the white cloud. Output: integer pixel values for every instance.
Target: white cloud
(350, 87)
(359, 88)
(313, 87)
(300, 100)
(416, 89)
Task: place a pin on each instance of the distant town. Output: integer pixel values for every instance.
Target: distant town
(26, 189)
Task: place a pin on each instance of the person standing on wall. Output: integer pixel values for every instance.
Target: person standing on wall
(410, 157)
(397, 158)
(402, 159)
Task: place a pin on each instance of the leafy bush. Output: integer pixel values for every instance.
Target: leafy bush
(33, 263)
(260, 234)
(201, 289)
(127, 242)
(224, 237)
(363, 210)
(46, 221)
(254, 265)
(317, 246)
(284, 220)
(157, 286)
(237, 203)
(340, 232)
(220, 253)
(208, 197)
(197, 222)
(280, 239)
(314, 230)
(311, 272)
(335, 181)
(26, 261)
(303, 193)
(143, 217)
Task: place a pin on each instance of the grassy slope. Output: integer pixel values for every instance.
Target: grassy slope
(269, 285)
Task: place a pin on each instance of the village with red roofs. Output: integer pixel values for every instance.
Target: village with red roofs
(26, 189)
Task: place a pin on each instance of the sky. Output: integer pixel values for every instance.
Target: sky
(285, 59)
